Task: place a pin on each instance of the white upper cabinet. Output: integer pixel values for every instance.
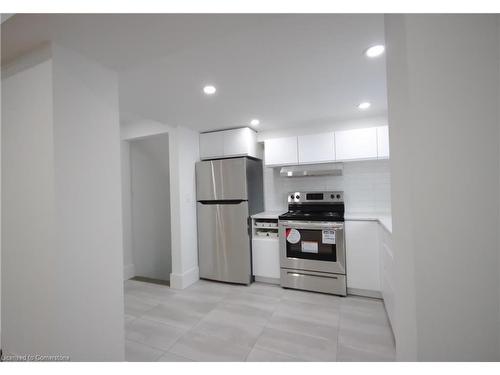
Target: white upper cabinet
(240, 142)
(211, 145)
(281, 151)
(316, 148)
(344, 145)
(383, 142)
(226, 143)
(356, 144)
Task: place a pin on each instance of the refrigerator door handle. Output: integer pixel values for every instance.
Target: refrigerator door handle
(231, 201)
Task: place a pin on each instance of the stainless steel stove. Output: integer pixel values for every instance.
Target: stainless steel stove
(312, 242)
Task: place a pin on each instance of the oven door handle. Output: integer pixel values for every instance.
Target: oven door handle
(309, 225)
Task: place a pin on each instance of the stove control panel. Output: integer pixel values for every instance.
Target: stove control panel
(316, 197)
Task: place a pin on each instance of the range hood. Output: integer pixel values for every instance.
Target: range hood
(327, 169)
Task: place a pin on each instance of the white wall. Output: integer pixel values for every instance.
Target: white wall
(444, 136)
(149, 159)
(183, 154)
(88, 207)
(402, 181)
(498, 24)
(27, 186)
(1, 204)
(128, 263)
(185, 269)
(62, 259)
(366, 186)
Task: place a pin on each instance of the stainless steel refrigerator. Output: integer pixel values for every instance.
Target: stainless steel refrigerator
(228, 192)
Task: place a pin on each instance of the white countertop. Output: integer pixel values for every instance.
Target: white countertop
(383, 218)
(268, 215)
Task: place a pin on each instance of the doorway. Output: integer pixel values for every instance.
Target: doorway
(146, 205)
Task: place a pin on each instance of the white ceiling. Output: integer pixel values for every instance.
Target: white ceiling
(286, 70)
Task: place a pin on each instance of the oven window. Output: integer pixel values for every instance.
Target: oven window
(311, 246)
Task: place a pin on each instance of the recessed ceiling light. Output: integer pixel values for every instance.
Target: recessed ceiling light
(209, 90)
(255, 122)
(375, 51)
(364, 106)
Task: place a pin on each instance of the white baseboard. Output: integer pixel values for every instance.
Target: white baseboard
(128, 271)
(267, 280)
(364, 293)
(181, 281)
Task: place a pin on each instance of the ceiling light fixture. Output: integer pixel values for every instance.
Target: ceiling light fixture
(255, 122)
(364, 106)
(375, 51)
(209, 90)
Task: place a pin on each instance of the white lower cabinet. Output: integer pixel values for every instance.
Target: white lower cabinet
(370, 262)
(362, 257)
(266, 258)
(265, 249)
(387, 272)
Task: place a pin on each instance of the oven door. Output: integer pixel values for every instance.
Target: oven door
(314, 246)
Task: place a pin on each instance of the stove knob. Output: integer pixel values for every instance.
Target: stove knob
(297, 196)
(332, 196)
(291, 196)
(338, 196)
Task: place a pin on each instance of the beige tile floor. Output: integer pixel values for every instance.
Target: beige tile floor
(212, 321)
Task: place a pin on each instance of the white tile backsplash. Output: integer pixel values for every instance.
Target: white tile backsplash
(366, 186)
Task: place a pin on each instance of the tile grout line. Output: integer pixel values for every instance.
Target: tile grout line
(169, 325)
(191, 328)
(263, 328)
(163, 351)
(338, 331)
(304, 334)
(266, 326)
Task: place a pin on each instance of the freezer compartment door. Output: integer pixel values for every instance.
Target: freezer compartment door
(223, 179)
(224, 242)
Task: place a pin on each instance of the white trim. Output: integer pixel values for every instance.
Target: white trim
(128, 271)
(182, 281)
(267, 280)
(364, 293)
